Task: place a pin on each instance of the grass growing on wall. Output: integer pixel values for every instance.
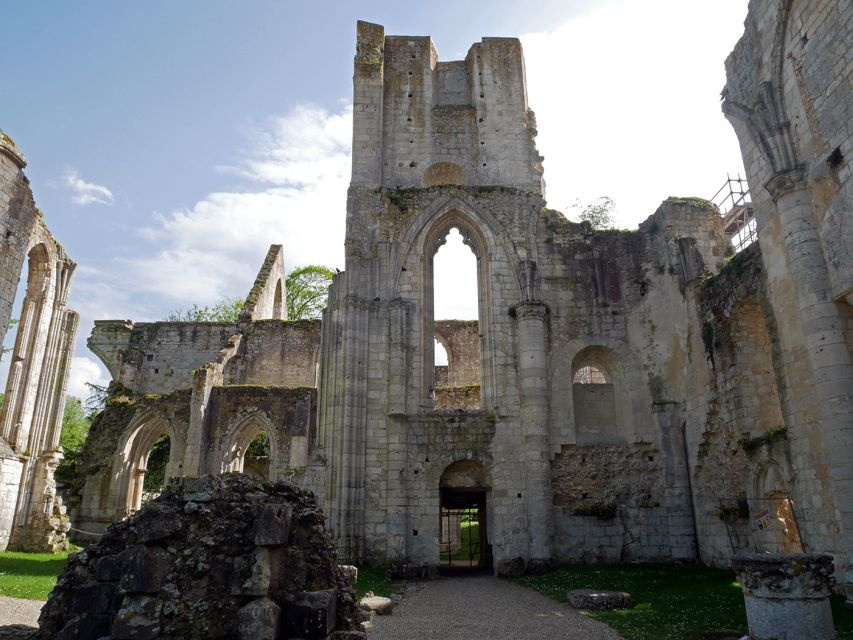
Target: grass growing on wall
(673, 602)
(30, 575)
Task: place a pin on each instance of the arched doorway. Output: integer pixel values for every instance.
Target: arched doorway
(463, 525)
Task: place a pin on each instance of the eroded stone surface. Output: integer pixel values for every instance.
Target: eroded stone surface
(597, 600)
(169, 572)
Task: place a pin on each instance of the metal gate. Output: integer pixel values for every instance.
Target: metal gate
(463, 530)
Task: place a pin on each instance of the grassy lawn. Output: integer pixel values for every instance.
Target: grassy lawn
(673, 602)
(372, 578)
(470, 539)
(29, 575)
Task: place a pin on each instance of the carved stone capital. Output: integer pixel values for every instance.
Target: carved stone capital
(786, 181)
(531, 311)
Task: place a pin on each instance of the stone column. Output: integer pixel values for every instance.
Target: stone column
(787, 596)
(823, 332)
(678, 499)
(532, 379)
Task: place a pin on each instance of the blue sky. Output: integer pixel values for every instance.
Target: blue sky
(169, 143)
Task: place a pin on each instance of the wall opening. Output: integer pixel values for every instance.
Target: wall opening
(23, 351)
(456, 343)
(463, 524)
(250, 450)
(594, 395)
(148, 444)
(277, 310)
(256, 461)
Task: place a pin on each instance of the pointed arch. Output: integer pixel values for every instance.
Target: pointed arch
(135, 447)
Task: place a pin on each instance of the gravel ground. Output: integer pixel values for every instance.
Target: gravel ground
(18, 611)
(483, 608)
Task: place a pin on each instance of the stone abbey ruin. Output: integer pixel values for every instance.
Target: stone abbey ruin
(633, 395)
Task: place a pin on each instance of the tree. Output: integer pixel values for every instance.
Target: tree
(12, 323)
(75, 429)
(308, 291)
(226, 310)
(598, 213)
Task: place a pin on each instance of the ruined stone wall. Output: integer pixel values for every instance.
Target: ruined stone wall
(157, 357)
(420, 122)
(788, 101)
(277, 352)
(34, 396)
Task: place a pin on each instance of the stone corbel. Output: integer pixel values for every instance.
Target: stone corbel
(786, 181)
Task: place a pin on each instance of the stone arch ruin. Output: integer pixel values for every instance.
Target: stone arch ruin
(703, 365)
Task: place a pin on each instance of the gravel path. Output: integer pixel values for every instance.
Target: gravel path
(483, 608)
(18, 611)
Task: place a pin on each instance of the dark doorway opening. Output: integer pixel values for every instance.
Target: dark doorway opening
(463, 537)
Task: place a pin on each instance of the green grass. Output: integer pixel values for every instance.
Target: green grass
(470, 539)
(30, 575)
(372, 578)
(673, 602)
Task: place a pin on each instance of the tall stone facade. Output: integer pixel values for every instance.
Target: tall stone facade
(31, 515)
(633, 395)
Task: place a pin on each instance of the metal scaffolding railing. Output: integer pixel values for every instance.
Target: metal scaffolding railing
(735, 206)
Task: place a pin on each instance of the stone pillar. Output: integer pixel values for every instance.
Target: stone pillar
(532, 380)
(787, 596)
(823, 332)
(678, 499)
(368, 91)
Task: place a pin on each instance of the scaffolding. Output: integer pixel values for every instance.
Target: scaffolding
(735, 206)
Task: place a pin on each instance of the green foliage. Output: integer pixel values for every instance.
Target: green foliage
(308, 291)
(155, 469)
(97, 399)
(259, 447)
(750, 445)
(372, 578)
(599, 213)
(12, 323)
(75, 428)
(30, 575)
(226, 310)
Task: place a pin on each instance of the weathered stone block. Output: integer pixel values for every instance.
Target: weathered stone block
(312, 614)
(157, 523)
(108, 570)
(259, 620)
(378, 604)
(138, 619)
(272, 525)
(85, 627)
(144, 569)
(94, 598)
(597, 600)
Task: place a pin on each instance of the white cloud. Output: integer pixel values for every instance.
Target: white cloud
(627, 103)
(83, 193)
(85, 370)
(213, 249)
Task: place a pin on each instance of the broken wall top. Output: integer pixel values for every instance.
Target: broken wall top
(421, 122)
